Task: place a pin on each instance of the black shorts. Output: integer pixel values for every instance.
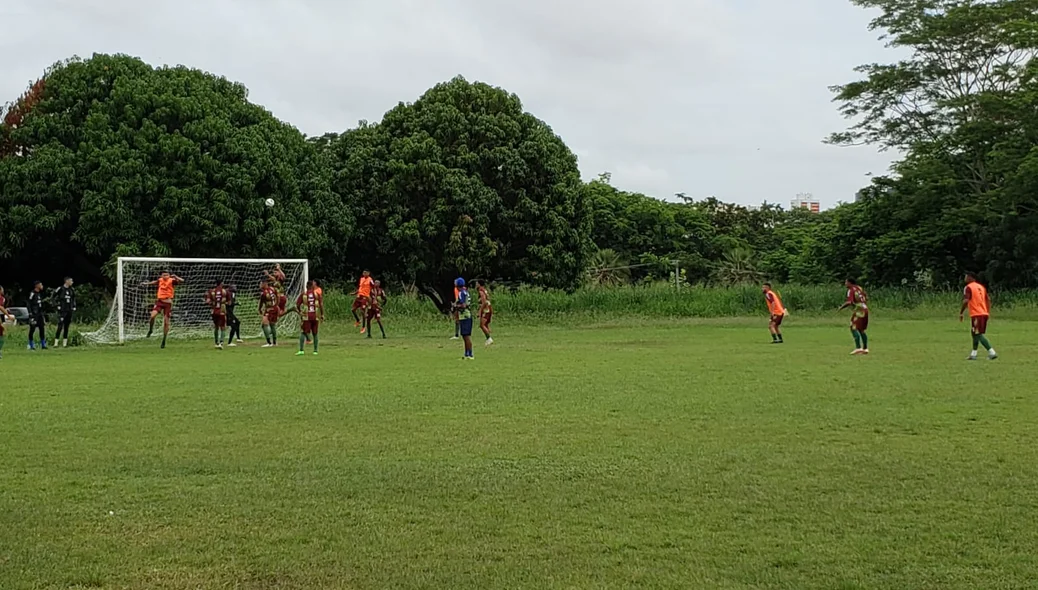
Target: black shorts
(38, 320)
(465, 326)
(65, 318)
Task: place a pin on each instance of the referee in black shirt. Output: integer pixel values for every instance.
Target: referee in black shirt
(36, 319)
(232, 318)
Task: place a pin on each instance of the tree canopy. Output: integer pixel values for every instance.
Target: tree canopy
(464, 182)
(110, 156)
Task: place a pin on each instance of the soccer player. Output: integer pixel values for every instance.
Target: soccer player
(232, 317)
(216, 298)
(4, 316)
(361, 299)
(276, 279)
(777, 313)
(975, 298)
(858, 301)
(270, 312)
(486, 313)
(461, 306)
(454, 312)
(37, 321)
(375, 303)
(65, 296)
(312, 315)
(163, 302)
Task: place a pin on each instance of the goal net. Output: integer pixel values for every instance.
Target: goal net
(191, 317)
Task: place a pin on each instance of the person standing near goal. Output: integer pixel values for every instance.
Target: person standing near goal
(65, 296)
(312, 315)
(269, 312)
(216, 298)
(234, 336)
(166, 282)
(37, 320)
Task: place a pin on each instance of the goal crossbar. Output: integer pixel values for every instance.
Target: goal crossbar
(133, 299)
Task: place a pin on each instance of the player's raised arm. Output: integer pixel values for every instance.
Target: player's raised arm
(177, 279)
(150, 283)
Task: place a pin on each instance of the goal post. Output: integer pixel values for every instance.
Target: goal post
(191, 317)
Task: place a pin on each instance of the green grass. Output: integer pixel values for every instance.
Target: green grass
(616, 454)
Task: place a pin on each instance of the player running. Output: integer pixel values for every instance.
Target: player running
(163, 302)
(360, 301)
(5, 316)
(486, 313)
(777, 311)
(217, 298)
(276, 279)
(312, 316)
(375, 303)
(269, 313)
(859, 302)
(975, 298)
(464, 314)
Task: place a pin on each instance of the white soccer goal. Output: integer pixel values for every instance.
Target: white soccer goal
(131, 307)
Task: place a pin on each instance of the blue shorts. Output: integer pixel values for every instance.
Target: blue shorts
(466, 326)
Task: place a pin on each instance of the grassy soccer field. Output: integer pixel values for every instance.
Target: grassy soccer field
(682, 454)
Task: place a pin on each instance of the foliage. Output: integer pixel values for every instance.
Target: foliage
(464, 182)
(116, 156)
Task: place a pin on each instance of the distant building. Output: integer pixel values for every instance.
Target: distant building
(806, 201)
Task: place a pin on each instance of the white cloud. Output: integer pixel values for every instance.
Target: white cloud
(724, 97)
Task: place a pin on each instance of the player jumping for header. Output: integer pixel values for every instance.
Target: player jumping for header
(310, 306)
(375, 303)
(777, 311)
(276, 279)
(269, 313)
(217, 299)
(360, 301)
(859, 302)
(163, 302)
(486, 313)
(975, 298)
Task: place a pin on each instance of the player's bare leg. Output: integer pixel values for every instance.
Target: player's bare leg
(484, 324)
(165, 331)
(151, 323)
(776, 333)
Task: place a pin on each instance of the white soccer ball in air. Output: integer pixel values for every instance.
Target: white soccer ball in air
(269, 202)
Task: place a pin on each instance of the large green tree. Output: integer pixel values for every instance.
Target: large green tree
(109, 155)
(962, 108)
(464, 182)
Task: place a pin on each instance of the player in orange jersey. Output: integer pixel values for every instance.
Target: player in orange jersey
(217, 299)
(163, 302)
(975, 298)
(777, 311)
(310, 306)
(859, 302)
(360, 301)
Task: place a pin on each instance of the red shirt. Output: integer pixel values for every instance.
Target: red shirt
(310, 301)
(217, 299)
(268, 298)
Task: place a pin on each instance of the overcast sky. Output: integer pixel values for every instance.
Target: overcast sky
(707, 97)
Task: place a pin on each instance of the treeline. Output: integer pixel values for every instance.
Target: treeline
(109, 156)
